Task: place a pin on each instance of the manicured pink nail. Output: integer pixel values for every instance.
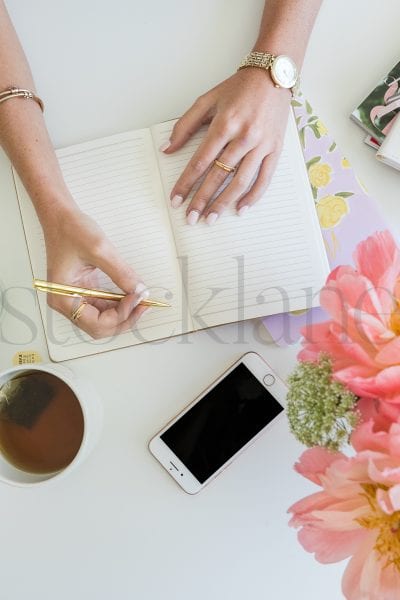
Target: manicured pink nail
(193, 217)
(142, 292)
(242, 210)
(143, 296)
(139, 288)
(212, 217)
(165, 146)
(176, 201)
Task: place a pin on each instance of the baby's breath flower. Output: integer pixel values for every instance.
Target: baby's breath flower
(321, 411)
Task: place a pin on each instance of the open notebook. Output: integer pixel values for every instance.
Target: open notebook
(266, 262)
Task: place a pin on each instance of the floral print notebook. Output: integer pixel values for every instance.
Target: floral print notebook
(347, 214)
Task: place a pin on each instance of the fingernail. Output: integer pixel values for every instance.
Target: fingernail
(212, 217)
(139, 288)
(165, 146)
(242, 210)
(193, 217)
(142, 291)
(176, 201)
(143, 296)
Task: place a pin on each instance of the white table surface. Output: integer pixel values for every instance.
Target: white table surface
(119, 527)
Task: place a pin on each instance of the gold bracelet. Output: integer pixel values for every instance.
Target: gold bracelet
(15, 92)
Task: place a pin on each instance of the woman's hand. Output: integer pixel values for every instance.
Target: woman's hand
(248, 119)
(77, 249)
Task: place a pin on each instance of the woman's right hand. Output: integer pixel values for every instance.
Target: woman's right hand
(77, 250)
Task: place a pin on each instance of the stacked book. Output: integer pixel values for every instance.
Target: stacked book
(377, 115)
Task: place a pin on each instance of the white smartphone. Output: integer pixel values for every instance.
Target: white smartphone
(219, 424)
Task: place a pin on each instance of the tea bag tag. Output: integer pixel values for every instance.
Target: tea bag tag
(26, 357)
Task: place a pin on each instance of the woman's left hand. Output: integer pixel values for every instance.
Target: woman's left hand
(247, 116)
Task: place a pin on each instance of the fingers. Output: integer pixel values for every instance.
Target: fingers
(108, 260)
(246, 187)
(217, 137)
(189, 123)
(219, 188)
(260, 185)
(112, 321)
(98, 324)
(215, 179)
(235, 188)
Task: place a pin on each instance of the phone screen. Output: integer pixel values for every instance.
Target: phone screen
(221, 423)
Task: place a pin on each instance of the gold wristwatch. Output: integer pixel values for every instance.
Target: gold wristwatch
(282, 68)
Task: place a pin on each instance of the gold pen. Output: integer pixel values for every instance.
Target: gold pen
(79, 292)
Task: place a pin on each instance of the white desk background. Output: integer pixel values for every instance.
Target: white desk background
(119, 527)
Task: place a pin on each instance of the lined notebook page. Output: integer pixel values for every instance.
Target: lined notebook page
(256, 265)
(115, 180)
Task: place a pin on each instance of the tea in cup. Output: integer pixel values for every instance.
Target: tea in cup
(49, 420)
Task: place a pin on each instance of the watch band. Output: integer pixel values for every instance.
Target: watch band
(264, 60)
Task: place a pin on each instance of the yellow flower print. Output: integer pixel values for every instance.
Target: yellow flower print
(331, 210)
(322, 130)
(345, 163)
(319, 174)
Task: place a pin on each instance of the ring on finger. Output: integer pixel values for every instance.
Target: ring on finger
(77, 313)
(224, 166)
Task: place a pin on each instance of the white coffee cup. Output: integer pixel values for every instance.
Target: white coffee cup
(92, 411)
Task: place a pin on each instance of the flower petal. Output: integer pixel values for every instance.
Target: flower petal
(354, 345)
(341, 520)
(370, 577)
(385, 384)
(314, 461)
(364, 437)
(394, 441)
(351, 291)
(354, 378)
(383, 414)
(389, 501)
(302, 509)
(377, 255)
(385, 471)
(389, 353)
(330, 546)
(384, 501)
(366, 329)
(352, 575)
(389, 583)
(339, 271)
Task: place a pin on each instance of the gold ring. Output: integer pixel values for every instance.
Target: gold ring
(223, 166)
(77, 313)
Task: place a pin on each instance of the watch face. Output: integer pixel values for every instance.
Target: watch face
(284, 71)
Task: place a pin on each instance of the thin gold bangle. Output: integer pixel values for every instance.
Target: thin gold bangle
(15, 92)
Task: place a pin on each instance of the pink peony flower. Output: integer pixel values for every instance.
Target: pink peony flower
(363, 337)
(357, 513)
(383, 414)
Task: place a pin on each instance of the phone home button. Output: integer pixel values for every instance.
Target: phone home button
(269, 379)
